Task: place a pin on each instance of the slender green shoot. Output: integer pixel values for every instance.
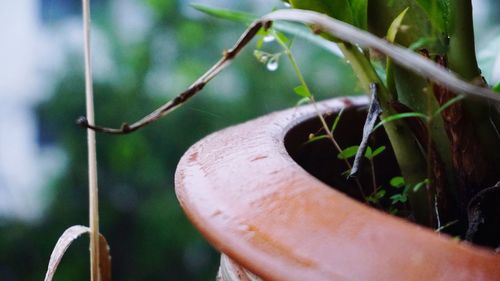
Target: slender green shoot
(304, 91)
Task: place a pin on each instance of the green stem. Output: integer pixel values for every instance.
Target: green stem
(329, 133)
(462, 52)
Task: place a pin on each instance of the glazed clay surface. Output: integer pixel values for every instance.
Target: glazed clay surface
(246, 195)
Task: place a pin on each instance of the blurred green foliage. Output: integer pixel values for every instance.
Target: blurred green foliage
(149, 235)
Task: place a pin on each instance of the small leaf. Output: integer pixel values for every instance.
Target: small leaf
(422, 42)
(375, 198)
(303, 101)
(346, 173)
(448, 104)
(282, 37)
(397, 182)
(437, 11)
(338, 9)
(348, 152)
(368, 152)
(395, 26)
(262, 33)
(359, 10)
(336, 122)
(238, 16)
(302, 91)
(400, 116)
(496, 88)
(315, 138)
(378, 151)
(420, 185)
(399, 198)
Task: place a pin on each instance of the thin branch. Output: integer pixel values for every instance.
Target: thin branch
(196, 87)
(341, 30)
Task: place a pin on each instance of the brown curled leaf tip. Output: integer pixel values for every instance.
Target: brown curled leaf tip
(82, 122)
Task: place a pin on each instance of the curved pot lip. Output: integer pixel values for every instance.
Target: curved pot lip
(251, 201)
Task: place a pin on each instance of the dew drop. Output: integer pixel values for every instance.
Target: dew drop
(287, 4)
(268, 38)
(272, 64)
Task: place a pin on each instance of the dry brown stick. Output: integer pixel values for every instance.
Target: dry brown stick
(344, 31)
(196, 87)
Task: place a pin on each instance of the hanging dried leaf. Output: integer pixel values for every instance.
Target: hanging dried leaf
(104, 259)
(373, 113)
(70, 235)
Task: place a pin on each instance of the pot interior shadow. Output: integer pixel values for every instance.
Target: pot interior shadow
(320, 158)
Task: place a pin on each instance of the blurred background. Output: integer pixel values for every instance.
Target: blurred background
(145, 53)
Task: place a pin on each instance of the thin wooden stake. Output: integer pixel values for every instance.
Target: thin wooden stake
(91, 144)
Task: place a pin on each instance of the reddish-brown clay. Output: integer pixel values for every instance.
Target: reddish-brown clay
(245, 194)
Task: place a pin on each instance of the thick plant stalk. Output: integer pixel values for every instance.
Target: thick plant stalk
(91, 144)
(462, 52)
(476, 153)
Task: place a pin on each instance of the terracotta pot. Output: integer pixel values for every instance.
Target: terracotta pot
(254, 203)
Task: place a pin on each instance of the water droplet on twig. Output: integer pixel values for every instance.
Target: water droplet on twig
(273, 63)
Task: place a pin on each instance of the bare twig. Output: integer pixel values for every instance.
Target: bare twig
(341, 30)
(196, 87)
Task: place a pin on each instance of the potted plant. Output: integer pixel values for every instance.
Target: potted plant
(250, 199)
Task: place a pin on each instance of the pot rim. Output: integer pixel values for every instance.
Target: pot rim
(251, 201)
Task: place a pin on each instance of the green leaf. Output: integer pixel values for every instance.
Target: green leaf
(338, 9)
(243, 17)
(400, 116)
(496, 88)
(283, 38)
(422, 42)
(378, 151)
(303, 101)
(315, 138)
(302, 91)
(395, 26)
(291, 28)
(348, 152)
(396, 198)
(397, 182)
(359, 10)
(437, 11)
(368, 152)
(375, 198)
(336, 122)
(448, 104)
(354, 12)
(420, 185)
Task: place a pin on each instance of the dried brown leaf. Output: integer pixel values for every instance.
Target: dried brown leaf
(70, 235)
